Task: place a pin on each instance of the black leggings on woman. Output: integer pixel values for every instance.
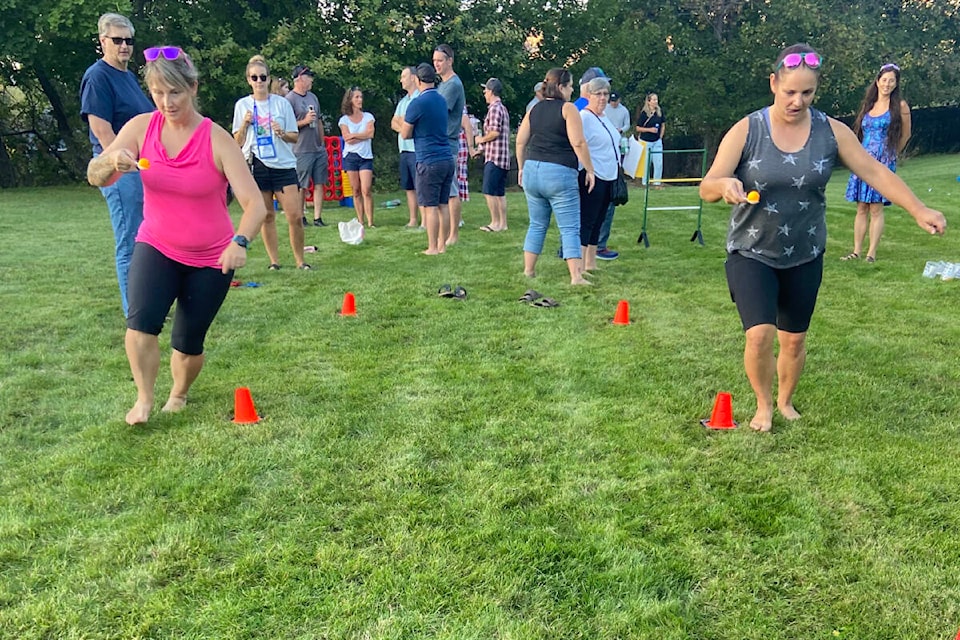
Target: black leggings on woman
(155, 281)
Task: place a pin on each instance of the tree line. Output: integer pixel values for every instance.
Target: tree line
(708, 59)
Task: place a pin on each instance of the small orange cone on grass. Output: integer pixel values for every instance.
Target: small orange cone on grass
(722, 416)
(349, 307)
(243, 410)
(622, 316)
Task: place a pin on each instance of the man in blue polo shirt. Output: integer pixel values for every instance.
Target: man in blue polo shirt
(110, 95)
(426, 122)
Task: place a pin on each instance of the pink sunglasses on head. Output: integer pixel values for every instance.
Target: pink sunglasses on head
(811, 59)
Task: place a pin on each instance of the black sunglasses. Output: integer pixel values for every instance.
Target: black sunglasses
(118, 41)
(262, 77)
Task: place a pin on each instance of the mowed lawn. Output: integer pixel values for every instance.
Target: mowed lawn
(436, 468)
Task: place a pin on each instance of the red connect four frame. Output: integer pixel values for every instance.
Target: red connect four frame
(333, 190)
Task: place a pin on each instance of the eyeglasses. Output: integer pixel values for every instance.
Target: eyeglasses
(888, 67)
(811, 59)
(119, 41)
(262, 77)
(168, 53)
(601, 93)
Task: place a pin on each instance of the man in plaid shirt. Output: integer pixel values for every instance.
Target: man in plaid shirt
(496, 149)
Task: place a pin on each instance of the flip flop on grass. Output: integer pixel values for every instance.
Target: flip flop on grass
(529, 296)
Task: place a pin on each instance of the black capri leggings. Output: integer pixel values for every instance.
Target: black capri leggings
(782, 297)
(593, 208)
(155, 281)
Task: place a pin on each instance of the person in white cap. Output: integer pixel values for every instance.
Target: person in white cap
(537, 96)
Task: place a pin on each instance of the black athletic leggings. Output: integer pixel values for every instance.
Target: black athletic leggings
(155, 281)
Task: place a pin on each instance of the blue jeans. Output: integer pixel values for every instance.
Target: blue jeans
(125, 202)
(552, 187)
(655, 149)
(605, 228)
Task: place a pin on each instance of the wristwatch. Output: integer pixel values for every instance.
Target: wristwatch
(241, 240)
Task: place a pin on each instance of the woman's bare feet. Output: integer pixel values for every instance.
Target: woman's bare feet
(530, 274)
(140, 413)
(788, 412)
(762, 421)
(174, 404)
(431, 252)
(581, 281)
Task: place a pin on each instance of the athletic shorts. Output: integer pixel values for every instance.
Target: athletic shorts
(781, 297)
(408, 170)
(353, 162)
(494, 180)
(272, 180)
(312, 165)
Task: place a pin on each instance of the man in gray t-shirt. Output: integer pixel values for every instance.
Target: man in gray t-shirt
(310, 149)
(452, 91)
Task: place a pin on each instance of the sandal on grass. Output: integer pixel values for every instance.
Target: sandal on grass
(460, 293)
(529, 296)
(545, 302)
(871, 259)
(851, 256)
(445, 291)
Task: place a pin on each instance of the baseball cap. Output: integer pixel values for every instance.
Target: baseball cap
(591, 73)
(426, 73)
(494, 85)
(302, 70)
(614, 96)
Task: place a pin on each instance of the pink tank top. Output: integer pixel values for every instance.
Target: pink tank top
(184, 198)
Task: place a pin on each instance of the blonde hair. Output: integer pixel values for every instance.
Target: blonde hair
(257, 61)
(646, 105)
(179, 73)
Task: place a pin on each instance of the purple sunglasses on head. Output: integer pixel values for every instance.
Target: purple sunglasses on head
(811, 59)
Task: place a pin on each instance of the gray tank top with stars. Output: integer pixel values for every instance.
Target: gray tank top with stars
(788, 227)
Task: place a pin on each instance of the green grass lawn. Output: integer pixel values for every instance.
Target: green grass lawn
(436, 468)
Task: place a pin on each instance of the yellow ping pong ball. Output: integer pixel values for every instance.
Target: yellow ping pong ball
(753, 197)
(143, 163)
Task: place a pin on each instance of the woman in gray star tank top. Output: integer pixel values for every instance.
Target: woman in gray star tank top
(783, 156)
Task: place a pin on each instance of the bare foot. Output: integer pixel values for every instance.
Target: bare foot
(788, 412)
(431, 252)
(140, 413)
(762, 421)
(530, 274)
(174, 404)
(581, 281)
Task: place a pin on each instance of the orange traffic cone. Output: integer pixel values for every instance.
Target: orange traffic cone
(622, 316)
(722, 416)
(349, 307)
(243, 409)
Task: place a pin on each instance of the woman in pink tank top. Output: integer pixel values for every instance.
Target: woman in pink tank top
(186, 248)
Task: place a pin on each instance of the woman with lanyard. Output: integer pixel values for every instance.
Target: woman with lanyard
(265, 126)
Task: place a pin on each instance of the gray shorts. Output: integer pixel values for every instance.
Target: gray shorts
(312, 165)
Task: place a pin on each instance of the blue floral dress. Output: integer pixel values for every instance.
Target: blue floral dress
(875, 142)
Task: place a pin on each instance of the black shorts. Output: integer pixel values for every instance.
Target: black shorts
(781, 297)
(408, 170)
(272, 180)
(593, 208)
(494, 180)
(155, 281)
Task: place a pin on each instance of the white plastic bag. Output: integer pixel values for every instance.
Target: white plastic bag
(351, 232)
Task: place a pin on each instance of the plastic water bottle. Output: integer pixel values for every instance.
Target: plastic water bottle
(934, 269)
(313, 125)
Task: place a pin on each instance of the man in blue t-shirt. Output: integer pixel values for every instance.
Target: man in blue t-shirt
(426, 122)
(110, 95)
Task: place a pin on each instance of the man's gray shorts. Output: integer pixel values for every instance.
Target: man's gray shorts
(312, 164)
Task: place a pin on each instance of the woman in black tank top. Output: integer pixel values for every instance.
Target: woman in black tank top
(550, 144)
